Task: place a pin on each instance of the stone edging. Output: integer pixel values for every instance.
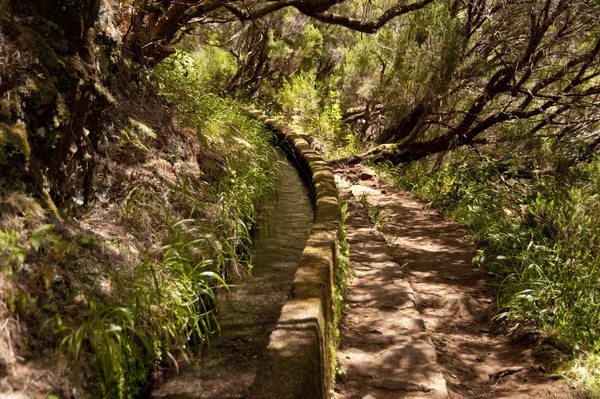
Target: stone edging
(297, 362)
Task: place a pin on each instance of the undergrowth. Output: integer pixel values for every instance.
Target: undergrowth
(187, 222)
(375, 213)
(540, 235)
(309, 108)
(340, 278)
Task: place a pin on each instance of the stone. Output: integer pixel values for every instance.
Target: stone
(397, 384)
(365, 176)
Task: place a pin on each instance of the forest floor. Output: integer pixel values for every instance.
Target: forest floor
(454, 299)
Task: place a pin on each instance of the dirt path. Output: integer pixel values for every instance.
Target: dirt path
(385, 349)
(452, 298)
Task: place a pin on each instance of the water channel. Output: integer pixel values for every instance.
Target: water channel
(248, 313)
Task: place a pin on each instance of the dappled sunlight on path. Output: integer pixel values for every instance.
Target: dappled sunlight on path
(385, 350)
(418, 309)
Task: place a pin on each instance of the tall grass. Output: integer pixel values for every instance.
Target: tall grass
(540, 236)
(201, 222)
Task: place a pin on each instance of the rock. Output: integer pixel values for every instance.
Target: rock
(397, 384)
(353, 160)
(377, 339)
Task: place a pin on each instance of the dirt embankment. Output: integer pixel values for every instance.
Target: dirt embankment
(74, 227)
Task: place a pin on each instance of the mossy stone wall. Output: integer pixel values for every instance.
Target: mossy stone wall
(298, 358)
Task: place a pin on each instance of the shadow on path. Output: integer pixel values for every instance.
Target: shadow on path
(453, 300)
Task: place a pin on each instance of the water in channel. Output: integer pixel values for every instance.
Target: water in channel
(248, 313)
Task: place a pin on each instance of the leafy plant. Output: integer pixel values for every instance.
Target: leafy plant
(341, 274)
(376, 215)
(12, 252)
(119, 345)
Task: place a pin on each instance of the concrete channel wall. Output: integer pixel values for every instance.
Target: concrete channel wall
(297, 363)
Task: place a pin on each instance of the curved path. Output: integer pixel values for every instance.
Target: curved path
(421, 330)
(249, 312)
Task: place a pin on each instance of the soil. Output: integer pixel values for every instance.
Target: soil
(455, 301)
(385, 351)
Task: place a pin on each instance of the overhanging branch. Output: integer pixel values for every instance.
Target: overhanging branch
(366, 26)
(247, 15)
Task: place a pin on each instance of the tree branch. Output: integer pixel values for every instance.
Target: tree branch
(244, 15)
(366, 26)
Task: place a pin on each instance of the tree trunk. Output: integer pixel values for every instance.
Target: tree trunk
(403, 128)
(399, 153)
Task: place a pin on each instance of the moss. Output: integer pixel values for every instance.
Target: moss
(13, 143)
(10, 106)
(37, 45)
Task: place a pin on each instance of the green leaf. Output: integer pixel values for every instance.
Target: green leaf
(21, 254)
(38, 235)
(88, 239)
(36, 242)
(51, 306)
